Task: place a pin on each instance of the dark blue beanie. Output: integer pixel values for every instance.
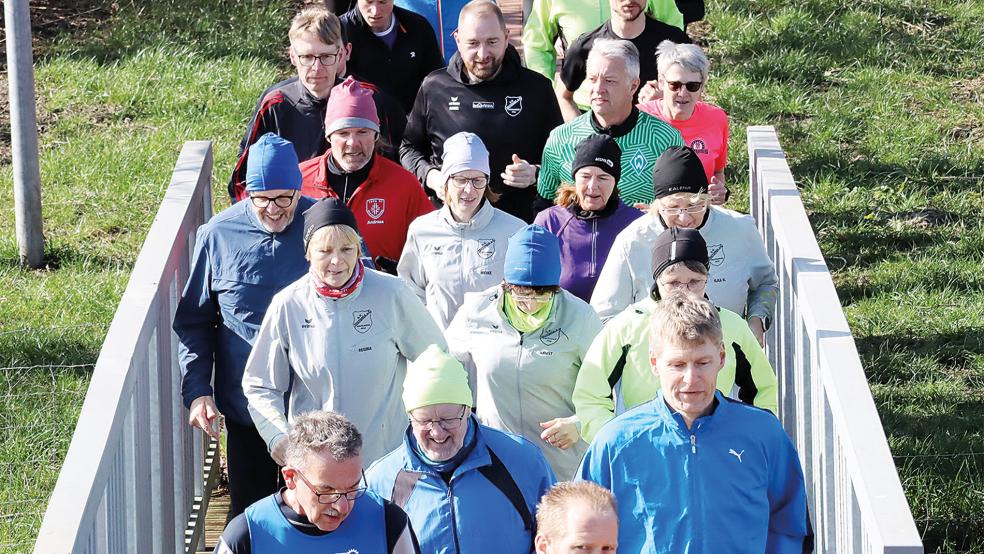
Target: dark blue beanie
(533, 258)
(272, 164)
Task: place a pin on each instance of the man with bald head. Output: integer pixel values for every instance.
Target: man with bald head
(484, 90)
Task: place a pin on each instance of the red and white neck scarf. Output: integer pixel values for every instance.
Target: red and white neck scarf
(340, 292)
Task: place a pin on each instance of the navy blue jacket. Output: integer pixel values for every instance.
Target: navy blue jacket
(238, 266)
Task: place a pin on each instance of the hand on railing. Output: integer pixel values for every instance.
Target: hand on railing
(205, 415)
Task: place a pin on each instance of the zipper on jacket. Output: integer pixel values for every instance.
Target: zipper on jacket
(594, 249)
(693, 444)
(454, 523)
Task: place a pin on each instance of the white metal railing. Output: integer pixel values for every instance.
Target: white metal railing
(855, 496)
(132, 477)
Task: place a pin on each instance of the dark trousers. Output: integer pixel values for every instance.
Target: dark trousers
(252, 472)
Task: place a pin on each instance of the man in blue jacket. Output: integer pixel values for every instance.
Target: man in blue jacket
(692, 470)
(243, 256)
(467, 488)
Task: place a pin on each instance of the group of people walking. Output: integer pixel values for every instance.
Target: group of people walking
(434, 302)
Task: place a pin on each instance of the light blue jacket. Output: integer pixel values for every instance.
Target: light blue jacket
(731, 483)
(470, 515)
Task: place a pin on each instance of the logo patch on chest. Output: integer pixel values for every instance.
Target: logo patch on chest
(362, 320)
(453, 104)
(549, 337)
(486, 248)
(638, 162)
(483, 105)
(698, 146)
(514, 105)
(375, 207)
(715, 252)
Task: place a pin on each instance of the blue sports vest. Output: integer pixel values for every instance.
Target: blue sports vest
(362, 532)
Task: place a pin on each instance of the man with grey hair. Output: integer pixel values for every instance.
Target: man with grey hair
(613, 76)
(691, 452)
(325, 506)
(629, 22)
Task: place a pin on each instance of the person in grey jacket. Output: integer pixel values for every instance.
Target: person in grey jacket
(523, 342)
(741, 278)
(336, 339)
(461, 247)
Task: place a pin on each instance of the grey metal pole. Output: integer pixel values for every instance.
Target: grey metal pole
(24, 133)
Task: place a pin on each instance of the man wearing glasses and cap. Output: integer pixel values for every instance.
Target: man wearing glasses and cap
(243, 256)
(325, 506)
(467, 488)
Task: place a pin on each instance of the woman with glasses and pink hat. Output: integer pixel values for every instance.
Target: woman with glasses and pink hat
(523, 341)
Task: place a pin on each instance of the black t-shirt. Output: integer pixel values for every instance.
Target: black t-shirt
(235, 537)
(574, 70)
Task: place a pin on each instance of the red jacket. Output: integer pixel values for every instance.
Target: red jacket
(384, 204)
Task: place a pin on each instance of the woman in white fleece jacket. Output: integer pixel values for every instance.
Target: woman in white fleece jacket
(337, 339)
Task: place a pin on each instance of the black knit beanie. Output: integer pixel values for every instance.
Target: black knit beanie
(678, 169)
(676, 245)
(325, 212)
(600, 151)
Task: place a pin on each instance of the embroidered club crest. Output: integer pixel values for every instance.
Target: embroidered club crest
(375, 207)
(715, 252)
(638, 162)
(514, 105)
(362, 320)
(698, 146)
(550, 337)
(486, 248)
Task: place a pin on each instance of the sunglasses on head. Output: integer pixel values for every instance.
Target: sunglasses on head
(692, 86)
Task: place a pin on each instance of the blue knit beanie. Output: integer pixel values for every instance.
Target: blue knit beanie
(533, 258)
(272, 164)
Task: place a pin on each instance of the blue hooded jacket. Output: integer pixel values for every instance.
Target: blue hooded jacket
(470, 515)
(731, 483)
(238, 267)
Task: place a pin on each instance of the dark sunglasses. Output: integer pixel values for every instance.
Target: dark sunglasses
(692, 86)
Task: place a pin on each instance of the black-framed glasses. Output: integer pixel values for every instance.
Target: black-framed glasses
(307, 60)
(448, 423)
(477, 183)
(692, 86)
(333, 497)
(279, 201)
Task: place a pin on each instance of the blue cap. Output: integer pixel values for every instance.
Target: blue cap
(533, 258)
(272, 164)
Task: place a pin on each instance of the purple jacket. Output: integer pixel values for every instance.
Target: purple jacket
(585, 242)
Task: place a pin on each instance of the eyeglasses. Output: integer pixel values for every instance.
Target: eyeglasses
(542, 297)
(307, 60)
(692, 86)
(333, 497)
(477, 183)
(448, 423)
(692, 286)
(694, 209)
(279, 201)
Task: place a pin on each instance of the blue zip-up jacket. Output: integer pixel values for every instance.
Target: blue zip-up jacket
(442, 16)
(238, 266)
(469, 515)
(731, 483)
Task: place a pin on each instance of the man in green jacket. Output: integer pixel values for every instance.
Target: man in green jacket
(620, 353)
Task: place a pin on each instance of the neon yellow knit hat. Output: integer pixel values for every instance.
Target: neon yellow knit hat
(435, 377)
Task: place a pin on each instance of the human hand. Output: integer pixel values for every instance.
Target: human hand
(561, 432)
(758, 329)
(519, 174)
(717, 190)
(204, 415)
(434, 182)
(649, 91)
(641, 206)
(279, 450)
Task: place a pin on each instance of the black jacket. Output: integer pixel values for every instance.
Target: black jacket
(289, 110)
(513, 113)
(398, 71)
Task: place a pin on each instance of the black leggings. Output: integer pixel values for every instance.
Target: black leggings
(252, 472)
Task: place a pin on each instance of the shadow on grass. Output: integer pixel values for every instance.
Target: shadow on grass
(69, 255)
(954, 353)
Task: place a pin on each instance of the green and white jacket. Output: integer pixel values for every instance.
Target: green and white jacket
(521, 380)
(621, 353)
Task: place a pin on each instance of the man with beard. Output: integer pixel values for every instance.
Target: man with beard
(384, 197)
(295, 108)
(324, 506)
(487, 91)
(629, 22)
(243, 256)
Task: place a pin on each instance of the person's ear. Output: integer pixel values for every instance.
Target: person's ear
(348, 51)
(288, 474)
(635, 85)
(540, 544)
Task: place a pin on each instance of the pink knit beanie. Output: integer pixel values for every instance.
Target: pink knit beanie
(350, 105)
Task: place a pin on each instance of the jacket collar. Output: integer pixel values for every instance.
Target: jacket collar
(675, 421)
(614, 203)
(511, 65)
(479, 221)
(618, 130)
(321, 173)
